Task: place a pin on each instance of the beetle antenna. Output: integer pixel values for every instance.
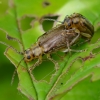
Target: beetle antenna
(21, 53)
(15, 71)
(52, 20)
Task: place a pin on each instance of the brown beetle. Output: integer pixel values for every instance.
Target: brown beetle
(56, 39)
(80, 23)
(61, 37)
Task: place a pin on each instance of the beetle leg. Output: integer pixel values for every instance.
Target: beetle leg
(85, 35)
(73, 50)
(68, 45)
(36, 64)
(77, 50)
(55, 63)
(73, 41)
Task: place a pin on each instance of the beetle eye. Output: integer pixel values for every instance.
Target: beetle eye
(28, 57)
(69, 24)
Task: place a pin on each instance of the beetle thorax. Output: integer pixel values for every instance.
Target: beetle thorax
(37, 51)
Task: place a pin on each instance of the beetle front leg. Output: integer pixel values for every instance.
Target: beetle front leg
(36, 64)
(52, 60)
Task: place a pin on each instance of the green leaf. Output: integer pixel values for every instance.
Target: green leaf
(70, 77)
(85, 90)
(48, 84)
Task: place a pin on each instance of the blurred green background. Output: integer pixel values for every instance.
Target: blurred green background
(34, 9)
(7, 91)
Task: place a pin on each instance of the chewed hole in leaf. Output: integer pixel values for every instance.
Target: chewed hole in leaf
(69, 72)
(59, 56)
(73, 67)
(46, 4)
(96, 50)
(77, 64)
(27, 22)
(44, 71)
(48, 24)
(5, 36)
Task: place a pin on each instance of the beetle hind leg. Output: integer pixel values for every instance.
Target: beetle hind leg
(72, 42)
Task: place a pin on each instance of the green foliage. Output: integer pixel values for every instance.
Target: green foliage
(21, 20)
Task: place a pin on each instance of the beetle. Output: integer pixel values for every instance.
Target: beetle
(80, 23)
(56, 39)
(61, 37)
